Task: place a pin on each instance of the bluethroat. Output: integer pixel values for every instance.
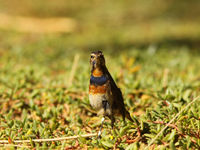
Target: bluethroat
(104, 95)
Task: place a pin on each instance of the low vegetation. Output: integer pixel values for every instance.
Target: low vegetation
(44, 77)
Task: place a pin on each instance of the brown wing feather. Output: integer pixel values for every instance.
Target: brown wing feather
(117, 94)
(118, 101)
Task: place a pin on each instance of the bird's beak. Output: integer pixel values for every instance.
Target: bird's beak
(94, 63)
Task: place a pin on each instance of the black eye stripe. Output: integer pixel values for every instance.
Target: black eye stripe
(92, 56)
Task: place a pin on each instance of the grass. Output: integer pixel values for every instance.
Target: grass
(44, 77)
(37, 103)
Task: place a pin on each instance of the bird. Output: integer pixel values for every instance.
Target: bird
(104, 95)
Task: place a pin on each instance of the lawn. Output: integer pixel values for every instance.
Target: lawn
(44, 78)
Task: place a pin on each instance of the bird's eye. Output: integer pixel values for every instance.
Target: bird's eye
(92, 57)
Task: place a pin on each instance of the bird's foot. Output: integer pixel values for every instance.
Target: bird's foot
(99, 135)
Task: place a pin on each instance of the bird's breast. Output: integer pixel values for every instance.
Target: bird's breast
(98, 81)
(97, 89)
(97, 93)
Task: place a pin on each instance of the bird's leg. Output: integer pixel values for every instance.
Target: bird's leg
(112, 118)
(104, 104)
(102, 121)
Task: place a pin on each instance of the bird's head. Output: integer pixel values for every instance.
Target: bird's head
(97, 60)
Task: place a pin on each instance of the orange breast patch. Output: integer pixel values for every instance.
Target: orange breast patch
(97, 72)
(97, 89)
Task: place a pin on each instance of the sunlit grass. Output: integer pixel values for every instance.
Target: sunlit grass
(37, 103)
(151, 53)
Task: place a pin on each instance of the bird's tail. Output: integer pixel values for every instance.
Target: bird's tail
(128, 116)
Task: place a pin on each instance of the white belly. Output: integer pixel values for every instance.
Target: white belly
(96, 100)
(96, 103)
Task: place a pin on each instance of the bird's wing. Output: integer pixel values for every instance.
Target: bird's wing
(116, 92)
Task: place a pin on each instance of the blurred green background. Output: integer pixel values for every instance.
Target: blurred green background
(114, 25)
(151, 49)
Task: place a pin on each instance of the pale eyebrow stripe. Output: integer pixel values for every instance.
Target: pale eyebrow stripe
(93, 54)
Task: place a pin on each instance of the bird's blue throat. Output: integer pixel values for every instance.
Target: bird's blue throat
(98, 80)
